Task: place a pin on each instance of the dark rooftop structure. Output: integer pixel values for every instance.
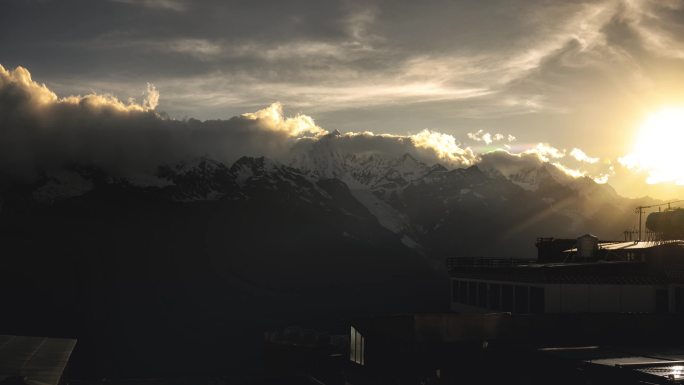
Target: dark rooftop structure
(582, 275)
(584, 311)
(34, 360)
(508, 348)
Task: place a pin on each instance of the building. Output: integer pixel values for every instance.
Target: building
(34, 360)
(594, 277)
(584, 311)
(504, 348)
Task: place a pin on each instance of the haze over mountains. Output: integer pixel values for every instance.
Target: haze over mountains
(496, 208)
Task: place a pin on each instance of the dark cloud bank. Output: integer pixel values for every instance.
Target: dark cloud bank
(41, 132)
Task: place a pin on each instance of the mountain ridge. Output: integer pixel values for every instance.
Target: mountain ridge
(386, 186)
(202, 249)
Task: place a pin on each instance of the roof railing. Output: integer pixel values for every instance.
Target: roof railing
(456, 262)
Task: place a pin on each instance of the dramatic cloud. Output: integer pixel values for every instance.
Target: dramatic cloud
(578, 74)
(274, 118)
(40, 132)
(487, 138)
(499, 58)
(426, 146)
(569, 171)
(574, 164)
(21, 92)
(546, 152)
(581, 156)
(445, 147)
(43, 134)
(175, 5)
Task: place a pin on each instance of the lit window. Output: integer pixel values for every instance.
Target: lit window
(357, 347)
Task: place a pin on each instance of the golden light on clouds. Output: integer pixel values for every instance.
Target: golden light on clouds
(659, 147)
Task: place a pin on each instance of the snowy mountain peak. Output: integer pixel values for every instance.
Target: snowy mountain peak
(531, 176)
(197, 179)
(62, 185)
(438, 168)
(258, 163)
(373, 171)
(247, 168)
(201, 165)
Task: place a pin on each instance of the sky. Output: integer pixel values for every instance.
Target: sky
(573, 82)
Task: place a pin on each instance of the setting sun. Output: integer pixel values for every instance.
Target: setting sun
(658, 147)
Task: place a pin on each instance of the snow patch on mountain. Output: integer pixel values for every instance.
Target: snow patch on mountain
(199, 179)
(62, 185)
(409, 242)
(388, 217)
(370, 176)
(528, 177)
(243, 174)
(371, 169)
(526, 171)
(148, 181)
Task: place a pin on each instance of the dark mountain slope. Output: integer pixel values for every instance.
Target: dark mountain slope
(154, 286)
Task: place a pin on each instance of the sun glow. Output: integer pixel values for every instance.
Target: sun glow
(659, 147)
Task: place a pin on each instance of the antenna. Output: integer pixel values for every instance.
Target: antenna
(640, 210)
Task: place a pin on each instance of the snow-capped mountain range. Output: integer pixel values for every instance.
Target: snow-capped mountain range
(325, 232)
(428, 207)
(373, 171)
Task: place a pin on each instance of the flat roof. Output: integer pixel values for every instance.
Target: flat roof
(598, 272)
(40, 360)
(632, 245)
(664, 364)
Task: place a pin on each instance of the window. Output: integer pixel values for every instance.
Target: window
(463, 291)
(482, 294)
(521, 299)
(506, 297)
(679, 299)
(357, 348)
(537, 300)
(662, 301)
(454, 291)
(472, 293)
(494, 296)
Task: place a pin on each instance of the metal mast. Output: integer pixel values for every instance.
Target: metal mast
(640, 210)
